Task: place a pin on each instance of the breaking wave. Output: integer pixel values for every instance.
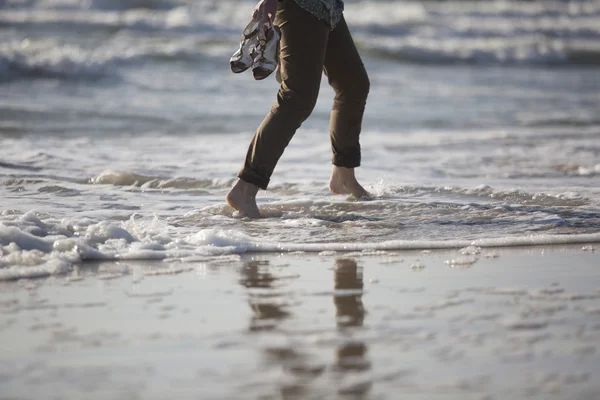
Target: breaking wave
(48, 58)
(124, 178)
(495, 32)
(531, 51)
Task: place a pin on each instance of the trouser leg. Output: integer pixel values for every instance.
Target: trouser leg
(348, 77)
(303, 48)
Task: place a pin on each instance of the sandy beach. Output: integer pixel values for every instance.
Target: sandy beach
(489, 324)
(471, 274)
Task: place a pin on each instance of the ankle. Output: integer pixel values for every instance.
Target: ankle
(343, 172)
(246, 189)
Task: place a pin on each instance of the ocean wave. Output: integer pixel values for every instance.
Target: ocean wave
(176, 20)
(49, 58)
(13, 166)
(125, 178)
(578, 170)
(495, 32)
(514, 8)
(93, 4)
(32, 248)
(489, 194)
(521, 51)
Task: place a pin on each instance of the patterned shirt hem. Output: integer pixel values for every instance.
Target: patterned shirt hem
(330, 11)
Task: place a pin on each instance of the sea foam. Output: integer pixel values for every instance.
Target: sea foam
(25, 255)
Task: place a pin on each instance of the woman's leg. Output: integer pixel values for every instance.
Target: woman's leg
(303, 48)
(348, 78)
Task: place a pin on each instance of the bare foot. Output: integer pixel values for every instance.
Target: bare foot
(242, 197)
(343, 181)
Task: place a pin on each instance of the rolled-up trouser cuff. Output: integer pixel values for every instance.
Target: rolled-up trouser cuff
(252, 177)
(346, 162)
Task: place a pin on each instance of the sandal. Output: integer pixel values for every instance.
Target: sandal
(243, 58)
(267, 51)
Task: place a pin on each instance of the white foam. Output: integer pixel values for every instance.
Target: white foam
(49, 57)
(404, 30)
(103, 231)
(384, 13)
(128, 178)
(470, 250)
(52, 267)
(24, 240)
(480, 32)
(23, 254)
(462, 260)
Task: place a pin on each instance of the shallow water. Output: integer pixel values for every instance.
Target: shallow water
(121, 141)
(68, 199)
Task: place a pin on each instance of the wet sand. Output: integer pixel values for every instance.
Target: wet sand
(494, 324)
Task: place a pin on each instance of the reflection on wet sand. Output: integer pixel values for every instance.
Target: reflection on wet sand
(349, 290)
(270, 307)
(350, 313)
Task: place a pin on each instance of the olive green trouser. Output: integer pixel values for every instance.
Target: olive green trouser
(309, 47)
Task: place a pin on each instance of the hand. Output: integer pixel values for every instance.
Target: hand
(263, 9)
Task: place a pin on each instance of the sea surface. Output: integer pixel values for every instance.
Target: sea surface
(122, 128)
